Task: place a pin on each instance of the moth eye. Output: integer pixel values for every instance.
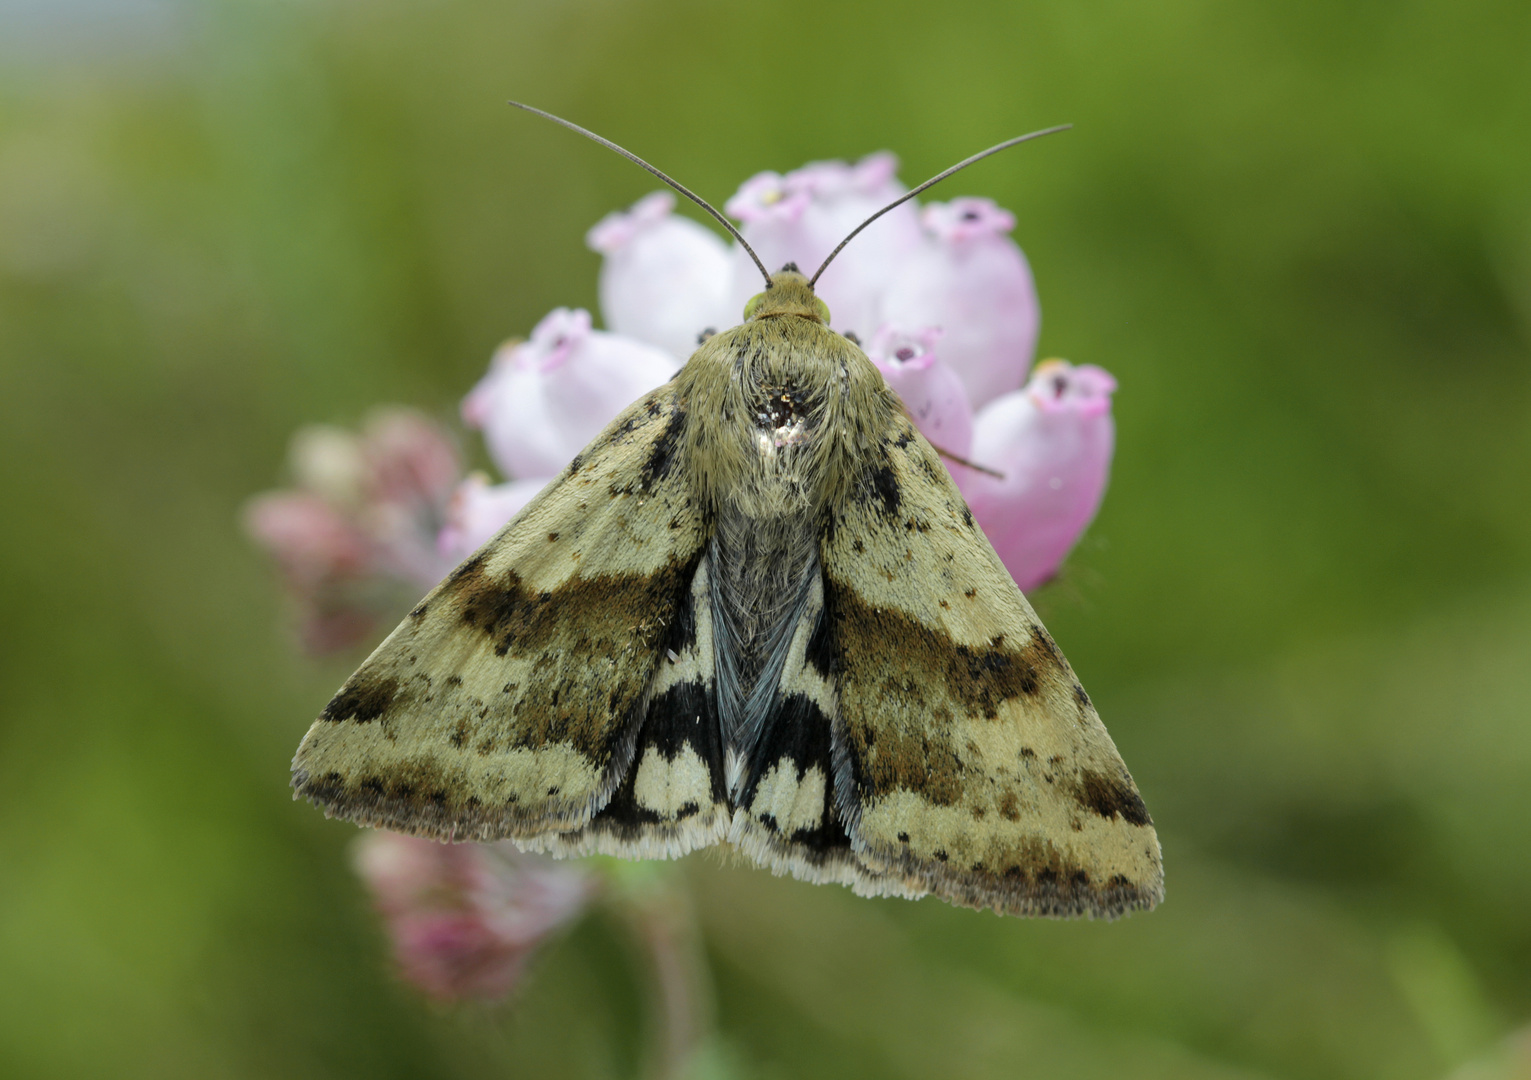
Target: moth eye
(823, 310)
(753, 306)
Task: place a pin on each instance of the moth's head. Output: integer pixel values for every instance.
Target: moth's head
(788, 294)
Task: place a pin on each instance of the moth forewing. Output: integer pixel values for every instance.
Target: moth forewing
(973, 761)
(509, 702)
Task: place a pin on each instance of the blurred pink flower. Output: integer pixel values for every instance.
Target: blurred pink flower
(324, 560)
(664, 278)
(1053, 442)
(969, 278)
(480, 509)
(932, 393)
(800, 218)
(359, 528)
(465, 918)
(412, 466)
(545, 398)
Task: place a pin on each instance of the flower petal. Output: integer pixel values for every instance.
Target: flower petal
(464, 918)
(309, 538)
(409, 458)
(664, 278)
(932, 393)
(357, 537)
(969, 278)
(544, 399)
(800, 218)
(1053, 442)
(479, 510)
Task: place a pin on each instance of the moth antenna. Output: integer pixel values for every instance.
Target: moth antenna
(687, 192)
(934, 180)
(970, 464)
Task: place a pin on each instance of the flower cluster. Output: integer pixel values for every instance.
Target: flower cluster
(465, 918)
(941, 296)
(357, 535)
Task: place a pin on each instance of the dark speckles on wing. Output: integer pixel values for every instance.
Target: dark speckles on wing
(1111, 797)
(362, 699)
(883, 486)
(661, 458)
(885, 644)
(620, 614)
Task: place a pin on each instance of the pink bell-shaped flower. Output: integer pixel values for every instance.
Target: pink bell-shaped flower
(664, 278)
(800, 218)
(465, 918)
(545, 398)
(480, 509)
(969, 278)
(1052, 441)
(932, 393)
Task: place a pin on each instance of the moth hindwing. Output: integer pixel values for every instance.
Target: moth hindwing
(755, 610)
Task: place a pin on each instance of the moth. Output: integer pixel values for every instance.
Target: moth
(755, 611)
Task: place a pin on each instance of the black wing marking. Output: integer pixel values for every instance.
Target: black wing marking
(671, 799)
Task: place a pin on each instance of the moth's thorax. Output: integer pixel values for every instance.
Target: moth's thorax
(779, 410)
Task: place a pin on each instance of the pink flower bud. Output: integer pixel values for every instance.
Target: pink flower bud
(970, 279)
(932, 393)
(329, 462)
(800, 218)
(479, 510)
(310, 539)
(465, 918)
(1052, 441)
(409, 459)
(357, 537)
(412, 468)
(664, 278)
(544, 399)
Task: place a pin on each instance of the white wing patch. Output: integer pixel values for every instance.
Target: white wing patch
(667, 785)
(793, 799)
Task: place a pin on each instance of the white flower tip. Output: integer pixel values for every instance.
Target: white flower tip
(560, 332)
(328, 460)
(967, 218)
(875, 170)
(893, 348)
(1058, 386)
(768, 195)
(616, 230)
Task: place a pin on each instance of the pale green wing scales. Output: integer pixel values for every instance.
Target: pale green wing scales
(490, 712)
(972, 763)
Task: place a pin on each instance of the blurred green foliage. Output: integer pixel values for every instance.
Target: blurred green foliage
(1300, 236)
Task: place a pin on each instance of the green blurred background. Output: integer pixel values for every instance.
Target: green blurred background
(1298, 233)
